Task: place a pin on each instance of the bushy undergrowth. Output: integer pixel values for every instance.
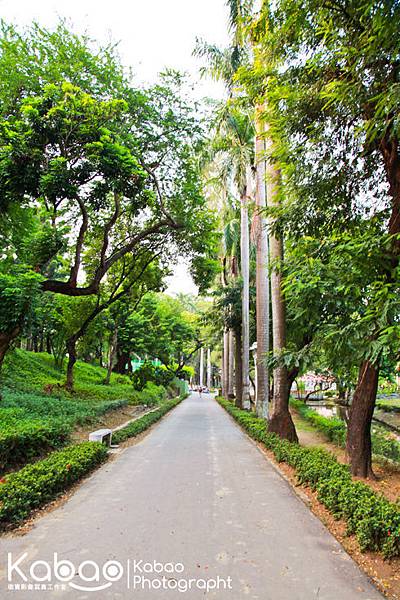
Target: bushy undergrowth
(150, 395)
(36, 484)
(143, 423)
(335, 431)
(21, 441)
(33, 424)
(371, 517)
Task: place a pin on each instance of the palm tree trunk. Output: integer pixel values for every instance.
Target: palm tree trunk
(231, 366)
(209, 369)
(281, 421)
(201, 368)
(262, 275)
(238, 368)
(245, 258)
(225, 365)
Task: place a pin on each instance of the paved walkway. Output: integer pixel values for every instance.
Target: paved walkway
(194, 491)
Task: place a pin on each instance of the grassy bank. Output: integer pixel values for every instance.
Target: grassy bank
(37, 415)
(35, 372)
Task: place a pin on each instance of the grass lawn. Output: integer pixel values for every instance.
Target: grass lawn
(33, 371)
(25, 395)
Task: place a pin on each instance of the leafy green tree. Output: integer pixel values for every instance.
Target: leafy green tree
(105, 177)
(162, 329)
(336, 102)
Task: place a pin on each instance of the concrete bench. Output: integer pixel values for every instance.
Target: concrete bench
(101, 435)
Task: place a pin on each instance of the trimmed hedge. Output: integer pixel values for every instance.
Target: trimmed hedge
(143, 423)
(371, 517)
(36, 484)
(23, 441)
(335, 431)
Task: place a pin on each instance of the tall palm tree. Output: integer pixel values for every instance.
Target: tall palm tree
(231, 244)
(225, 364)
(281, 421)
(242, 13)
(262, 271)
(234, 148)
(245, 255)
(235, 134)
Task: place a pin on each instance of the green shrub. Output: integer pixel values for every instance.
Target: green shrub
(149, 373)
(371, 517)
(35, 485)
(152, 394)
(33, 424)
(385, 446)
(25, 440)
(143, 423)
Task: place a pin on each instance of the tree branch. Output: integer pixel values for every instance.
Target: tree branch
(73, 275)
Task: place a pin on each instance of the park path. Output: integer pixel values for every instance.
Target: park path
(197, 491)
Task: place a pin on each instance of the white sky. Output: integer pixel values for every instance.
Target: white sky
(153, 34)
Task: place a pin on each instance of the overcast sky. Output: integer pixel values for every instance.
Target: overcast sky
(152, 34)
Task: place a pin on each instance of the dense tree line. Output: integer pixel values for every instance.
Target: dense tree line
(104, 183)
(100, 190)
(315, 85)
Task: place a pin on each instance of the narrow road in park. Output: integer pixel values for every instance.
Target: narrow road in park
(194, 491)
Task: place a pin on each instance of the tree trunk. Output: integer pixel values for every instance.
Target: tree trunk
(262, 275)
(238, 368)
(362, 407)
(359, 428)
(122, 361)
(71, 349)
(6, 339)
(201, 368)
(281, 421)
(113, 351)
(225, 365)
(48, 344)
(209, 369)
(291, 377)
(231, 365)
(244, 252)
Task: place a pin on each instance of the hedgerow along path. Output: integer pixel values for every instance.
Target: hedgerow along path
(196, 490)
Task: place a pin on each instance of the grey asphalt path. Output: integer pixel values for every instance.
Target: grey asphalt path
(194, 491)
